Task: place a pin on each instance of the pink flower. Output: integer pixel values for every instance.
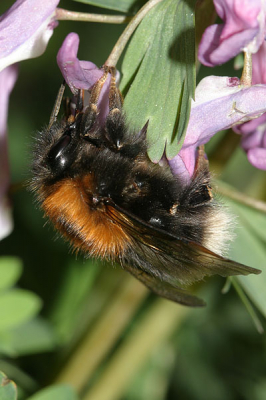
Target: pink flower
(253, 133)
(81, 74)
(259, 66)
(78, 74)
(8, 78)
(220, 103)
(25, 30)
(244, 27)
(253, 141)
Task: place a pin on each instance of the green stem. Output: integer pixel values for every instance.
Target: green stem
(233, 194)
(66, 15)
(248, 305)
(157, 325)
(246, 77)
(124, 38)
(100, 340)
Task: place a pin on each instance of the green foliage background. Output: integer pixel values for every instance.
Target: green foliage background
(83, 330)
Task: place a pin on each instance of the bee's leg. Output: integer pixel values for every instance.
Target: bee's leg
(202, 163)
(67, 106)
(115, 123)
(74, 109)
(57, 105)
(202, 190)
(71, 109)
(115, 96)
(90, 114)
(80, 102)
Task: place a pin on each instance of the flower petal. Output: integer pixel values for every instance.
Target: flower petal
(257, 157)
(220, 103)
(214, 51)
(183, 164)
(82, 74)
(25, 30)
(78, 74)
(7, 80)
(243, 28)
(253, 139)
(250, 126)
(258, 65)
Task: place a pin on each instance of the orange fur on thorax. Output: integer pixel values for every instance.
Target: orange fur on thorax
(69, 206)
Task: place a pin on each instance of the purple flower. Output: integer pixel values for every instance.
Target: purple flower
(244, 28)
(7, 80)
(258, 65)
(82, 74)
(25, 30)
(253, 133)
(78, 74)
(220, 103)
(253, 141)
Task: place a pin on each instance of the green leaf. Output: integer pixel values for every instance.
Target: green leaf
(8, 390)
(16, 307)
(57, 392)
(35, 336)
(75, 288)
(119, 5)
(161, 60)
(248, 305)
(24, 382)
(249, 249)
(260, 389)
(10, 271)
(6, 348)
(254, 219)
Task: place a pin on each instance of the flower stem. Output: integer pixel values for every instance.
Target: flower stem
(155, 327)
(66, 15)
(247, 303)
(233, 194)
(246, 77)
(124, 38)
(100, 340)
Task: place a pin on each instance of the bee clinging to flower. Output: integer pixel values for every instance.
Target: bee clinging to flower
(95, 182)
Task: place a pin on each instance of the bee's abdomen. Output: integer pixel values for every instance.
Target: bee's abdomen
(71, 207)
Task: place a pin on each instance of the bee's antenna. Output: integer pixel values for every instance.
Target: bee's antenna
(57, 105)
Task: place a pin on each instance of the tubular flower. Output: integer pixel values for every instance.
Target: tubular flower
(244, 28)
(220, 103)
(81, 74)
(253, 132)
(230, 102)
(8, 78)
(25, 30)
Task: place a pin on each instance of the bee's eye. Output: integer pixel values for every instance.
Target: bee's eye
(59, 147)
(63, 152)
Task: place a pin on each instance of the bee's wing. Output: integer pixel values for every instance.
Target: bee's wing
(170, 259)
(163, 288)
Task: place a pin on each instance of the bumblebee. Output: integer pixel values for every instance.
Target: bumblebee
(100, 190)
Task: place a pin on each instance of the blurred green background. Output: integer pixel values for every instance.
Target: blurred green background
(92, 325)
